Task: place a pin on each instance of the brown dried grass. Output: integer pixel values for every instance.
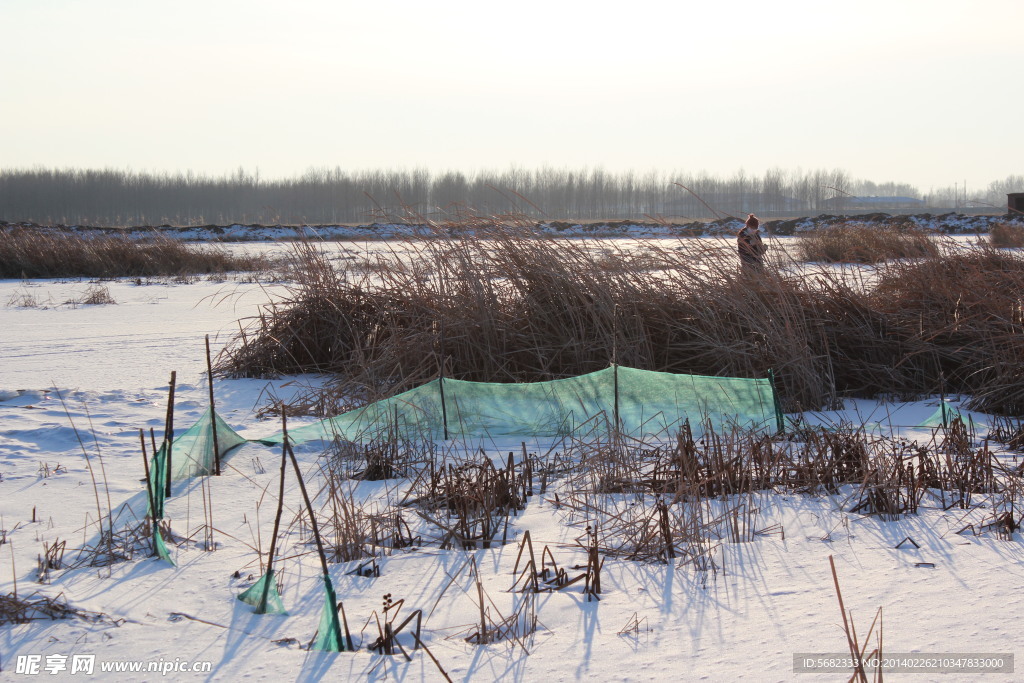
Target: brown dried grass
(512, 307)
(31, 253)
(863, 243)
(506, 306)
(960, 318)
(1006, 235)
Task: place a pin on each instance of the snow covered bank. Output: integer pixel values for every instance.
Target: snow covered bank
(951, 223)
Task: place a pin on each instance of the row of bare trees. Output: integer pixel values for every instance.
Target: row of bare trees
(329, 196)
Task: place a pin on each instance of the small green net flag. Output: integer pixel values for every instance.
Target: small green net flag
(156, 484)
(943, 416)
(263, 595)
(160, 547)
(328, 635)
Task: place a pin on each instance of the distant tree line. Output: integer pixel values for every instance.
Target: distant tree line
(112, 197)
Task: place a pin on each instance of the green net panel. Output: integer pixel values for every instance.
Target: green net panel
(944, 416)
(191, 456)
(155, 507)
(656, 403)
(328, 635)
(263, 595)
(192, 453)
(415, 413)
(644, 402)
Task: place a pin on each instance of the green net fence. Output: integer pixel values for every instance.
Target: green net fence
(637, 402)
(264, 596)
(155, 492)
(641, 402)
(943, 416)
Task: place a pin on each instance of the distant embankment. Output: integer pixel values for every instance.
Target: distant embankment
(948, 223)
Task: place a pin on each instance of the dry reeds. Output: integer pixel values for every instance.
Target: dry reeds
(515, 308)
(96, 295)
(1010, 432)
(859, 654)
(864, 243)
(658, 504)
(21, 610)
(511, 307)
(387, 456)
(471, 503)
(356, 530)
(960, 318)
(387, 642)
(1006, 235)
(51, 558)
(35, 253)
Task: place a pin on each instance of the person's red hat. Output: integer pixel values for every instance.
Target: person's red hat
(752, 221)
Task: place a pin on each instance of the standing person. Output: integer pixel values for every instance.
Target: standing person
(751, 248)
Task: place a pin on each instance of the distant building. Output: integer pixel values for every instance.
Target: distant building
(1015, 202)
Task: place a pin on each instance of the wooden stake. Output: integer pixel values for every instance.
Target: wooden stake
(14, 571)
(440, 385)
(316, 531)
(145, 462)
(169, 430)
(280, 507)
(615, 365)
(213, 412)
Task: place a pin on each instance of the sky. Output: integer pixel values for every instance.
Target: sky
(926, 92)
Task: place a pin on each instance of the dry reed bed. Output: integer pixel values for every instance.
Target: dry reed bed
(664, 501)
(514, 308)
(29, 253)
(861, 243)
(660, 502)
(1007, 235)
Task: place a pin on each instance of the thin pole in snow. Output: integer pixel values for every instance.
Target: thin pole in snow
(169, 430)
(280, 507)
(213, 412)
(440, 384)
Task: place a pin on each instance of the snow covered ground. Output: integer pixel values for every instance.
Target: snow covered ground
(78, 382)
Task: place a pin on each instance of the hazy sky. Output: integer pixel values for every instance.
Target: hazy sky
(929, 92)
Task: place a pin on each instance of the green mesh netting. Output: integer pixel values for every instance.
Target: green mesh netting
(328, 635)
(192, 453)
(191, 456)
(157, 479)
(943, 416)
(155, 507)
(263, 595)
(646, 403)
(160, 547)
